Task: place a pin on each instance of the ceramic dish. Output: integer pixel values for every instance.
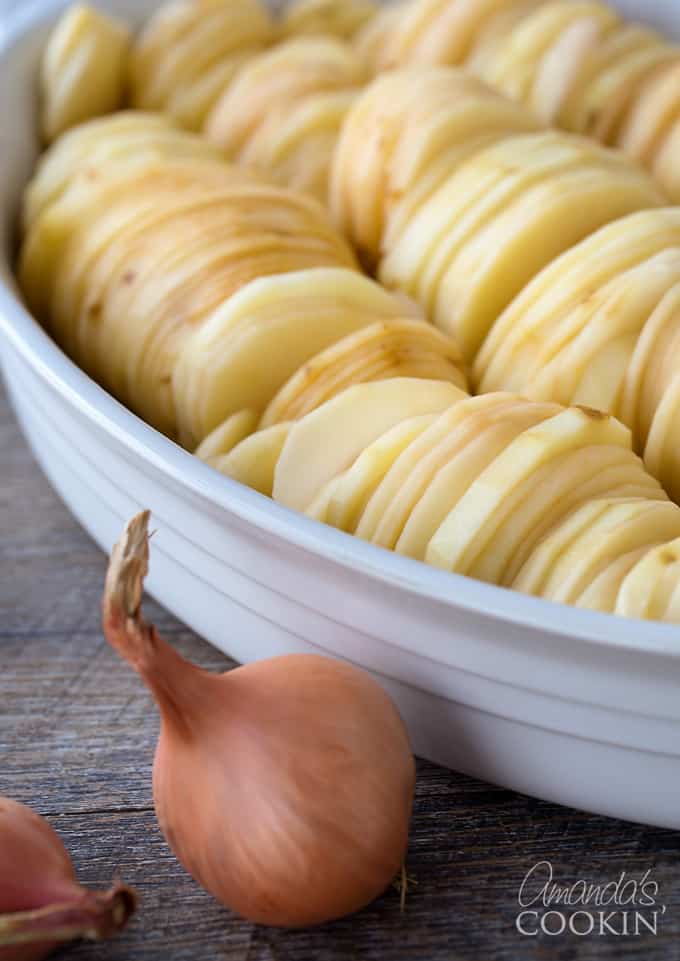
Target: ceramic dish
(560, 703)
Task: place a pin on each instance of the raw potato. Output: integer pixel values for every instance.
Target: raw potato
(231, 315)
(601, 326)
(308, 326)
(503, 216)
(547, 500)
(189, 52)
(406, 134)
(125, 138)
(331, 18)
(343, 500)
(222, 440)
(83, 69)
(651, 590)
(470, 527)
(103, 267)
(579, 550)
(252, 461)
(578, 65)
(283, 112)
(434, 473)
(327, 441)
(378, 351)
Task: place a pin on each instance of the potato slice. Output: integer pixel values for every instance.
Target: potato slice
(561, 65)
(249, 348)
(437, 31)
(111, 136)
(342, 500)
(504, 257)
(652, 115)
(603, 593)
(438, 480)
(399, 129)
(492, 37)
(664, 166)
(83, 69)
(224, 438)
(483, 235)
(253, 461)
(384, 349)
(188, 52)
(298, 150)
(371, 39)
(397, 477)
(662, 450)
(587, 363)
(653, 364)
(564, 285)
(328, 441)
(515, 70)
(277, 80)
(332, 18)
(471, 526)
(616, 72)
(551, 493)
(123, 296)
(614, 528)
(650, 590)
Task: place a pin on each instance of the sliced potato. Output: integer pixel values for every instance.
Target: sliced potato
(224, 438)
(121, 139)
(470, 527)
(603, 592)
(246, 351)
(384, 349)
(441, 477)
(253, 461)
(614, 528)
(566, 283)
(187, 53)
(335, 18)
(342, 500)
(650, 590)
(83, 69)
(452, 429)
(328, 441)
(508, 212)
(515, 70)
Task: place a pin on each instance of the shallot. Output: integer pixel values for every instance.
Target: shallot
(285, 786)
(41, 902)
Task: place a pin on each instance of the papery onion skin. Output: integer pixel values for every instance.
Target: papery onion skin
(284, 787)
(41, 902)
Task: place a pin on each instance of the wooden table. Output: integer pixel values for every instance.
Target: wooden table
(77, 732)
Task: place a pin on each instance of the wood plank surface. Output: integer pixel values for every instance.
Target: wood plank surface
(77, 732)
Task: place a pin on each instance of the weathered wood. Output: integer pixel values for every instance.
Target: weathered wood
(77, 732)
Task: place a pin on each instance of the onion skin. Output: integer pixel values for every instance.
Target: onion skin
(41, 903)
(284, 787)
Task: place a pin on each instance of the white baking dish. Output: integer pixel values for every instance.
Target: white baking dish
(575, 707)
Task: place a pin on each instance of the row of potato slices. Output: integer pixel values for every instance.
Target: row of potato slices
(186, 58)
(188, 54)
(601, 326)
(192, 289)
(533, 496)
(504, 252)
(469, 242)
(579, 66)
(283, 112)
(278, 108)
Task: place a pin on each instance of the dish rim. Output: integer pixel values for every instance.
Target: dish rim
(456, 591)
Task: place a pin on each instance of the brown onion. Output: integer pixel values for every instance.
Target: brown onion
(41, 902)
(285, 786)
